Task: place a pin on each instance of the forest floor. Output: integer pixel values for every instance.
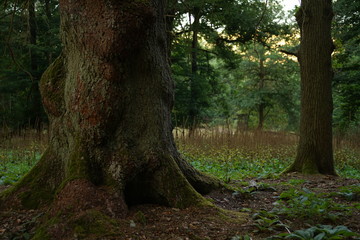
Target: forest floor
(269, 207)
(260, 205)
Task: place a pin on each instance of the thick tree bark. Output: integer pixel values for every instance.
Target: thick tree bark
(315, 154)
(108, 98)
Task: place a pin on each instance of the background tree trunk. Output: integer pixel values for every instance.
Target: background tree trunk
(315, 152)
(108, 98)
(193, 108)
(34, 98)
(262, 105)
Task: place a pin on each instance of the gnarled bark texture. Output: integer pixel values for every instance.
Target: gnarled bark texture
(315, 153)
(109, 97)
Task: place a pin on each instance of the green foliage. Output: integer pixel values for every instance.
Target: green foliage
(269, 86)
(24, 56)
(304, 204)
(227, 163)
(318, 232)
(346, 65)
(209, 49)
(347, 162)
(268, 222)
(350, 193)
(296, 182)
(193, 90)
(16, 163)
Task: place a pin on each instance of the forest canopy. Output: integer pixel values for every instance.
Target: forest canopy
(227, 59)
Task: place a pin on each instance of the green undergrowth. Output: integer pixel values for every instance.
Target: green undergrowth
(236, 163)
(16, 163)
(226, 163)
(303, 214)
(309, 206)
(318, 232)
(296, 213)
(261, 162)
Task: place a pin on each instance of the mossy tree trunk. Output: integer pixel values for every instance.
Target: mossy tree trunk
(108, 98)
(315, 152)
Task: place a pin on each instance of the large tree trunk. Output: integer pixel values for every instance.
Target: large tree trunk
(315, 154)
(109, 97)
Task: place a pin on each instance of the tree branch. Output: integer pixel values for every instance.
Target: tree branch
(182, 32)
(296, 54)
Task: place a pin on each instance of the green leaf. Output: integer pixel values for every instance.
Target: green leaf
(319, 236)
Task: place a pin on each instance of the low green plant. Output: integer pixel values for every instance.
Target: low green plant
(228, 164)
(319, 232)
(16, 163)
(350, 193)
(268, 222)
(254, 155)
(296, 182)
(306, 205)
(347, 162)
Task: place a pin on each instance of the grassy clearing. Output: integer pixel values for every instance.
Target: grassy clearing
(224, 154)
(296, 212)
(16, 163)
(19, 154)
(230, 156)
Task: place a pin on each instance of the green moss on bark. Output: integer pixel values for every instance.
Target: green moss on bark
(91, 224)
(94, 223)
(170, 183)
(52, 84)
(77, 165)
(308, 168)
(42, 232)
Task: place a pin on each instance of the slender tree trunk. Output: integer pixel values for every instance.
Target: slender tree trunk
(48, 19)
(261, 114)
(32, 34)
(315, 152)
(194, 71)
(171, 8)
(34, 98)
(262, 105)
(108, 98)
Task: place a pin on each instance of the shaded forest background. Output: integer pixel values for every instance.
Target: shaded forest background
(228, 59)
(236, 117)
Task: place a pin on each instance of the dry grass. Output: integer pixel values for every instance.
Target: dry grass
(23, 139)
(219, 137)
(220, 151)
(231, 154)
